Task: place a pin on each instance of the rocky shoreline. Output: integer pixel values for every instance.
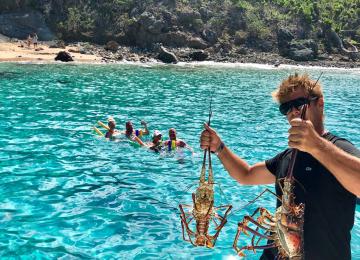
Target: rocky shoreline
(113, 53)
(123, 53)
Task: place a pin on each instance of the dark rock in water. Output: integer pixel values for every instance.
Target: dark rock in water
(64, 56)
(199, 55)
(166, 56)
(21, 24)
(112, 46)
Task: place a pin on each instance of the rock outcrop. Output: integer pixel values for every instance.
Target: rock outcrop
(21, 24)
(199, 55)
(166, 56)
(298, 50)
(64, 56)
(112, 46)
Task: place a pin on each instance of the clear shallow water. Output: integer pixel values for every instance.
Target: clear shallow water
(66, 193)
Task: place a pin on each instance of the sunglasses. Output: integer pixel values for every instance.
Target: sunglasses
(297, 103)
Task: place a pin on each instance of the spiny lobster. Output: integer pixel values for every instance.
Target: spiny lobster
(203, 210)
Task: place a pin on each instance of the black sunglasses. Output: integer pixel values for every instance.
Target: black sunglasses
(297, 103)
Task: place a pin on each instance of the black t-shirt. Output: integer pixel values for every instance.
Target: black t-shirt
(329, 207)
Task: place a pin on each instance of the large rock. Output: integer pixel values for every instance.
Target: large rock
(209, 36)
(112, 46)
(188, 16)
(196, 43)
(149, 23)
(21, 24)
(64, 56)
(284, 37)
(199, 55)
(57, 44)
(174, 39)
(303, 50)
(301, 55)
(166, 56)
(299, 50)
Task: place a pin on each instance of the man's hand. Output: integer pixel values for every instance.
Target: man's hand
(209, 138)
(302, 135)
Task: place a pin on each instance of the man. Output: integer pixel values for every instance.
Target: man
(327, 170)
(172, 143)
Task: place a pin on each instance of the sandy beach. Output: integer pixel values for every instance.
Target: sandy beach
(20, 52)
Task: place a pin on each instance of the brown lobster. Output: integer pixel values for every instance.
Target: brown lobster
(203, 210)
(285, 227)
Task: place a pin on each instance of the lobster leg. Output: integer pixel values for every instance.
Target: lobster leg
(242, 226)
(185, 225)
(253, 248)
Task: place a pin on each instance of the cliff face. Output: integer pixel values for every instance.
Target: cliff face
(220, 26)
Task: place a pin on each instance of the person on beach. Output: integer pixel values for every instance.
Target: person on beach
(172, 143)
(156, 144)
(112, 132)
(327, 170)
(29, 41)
(135, 135)
(35, 40)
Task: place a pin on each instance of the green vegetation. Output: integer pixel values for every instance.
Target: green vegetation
(109, 19)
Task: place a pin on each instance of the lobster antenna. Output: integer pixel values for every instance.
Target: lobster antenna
(210, 108)
(316, 82)
(202, 175)
(295, 151)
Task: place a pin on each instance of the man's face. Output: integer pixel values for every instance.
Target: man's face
(172, 134)
(313, 112)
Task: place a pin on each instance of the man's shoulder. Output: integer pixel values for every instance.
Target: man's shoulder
(343, 143)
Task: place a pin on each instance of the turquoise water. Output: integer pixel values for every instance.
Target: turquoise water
(69, 194)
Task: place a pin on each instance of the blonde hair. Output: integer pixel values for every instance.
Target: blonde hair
(295, 82)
